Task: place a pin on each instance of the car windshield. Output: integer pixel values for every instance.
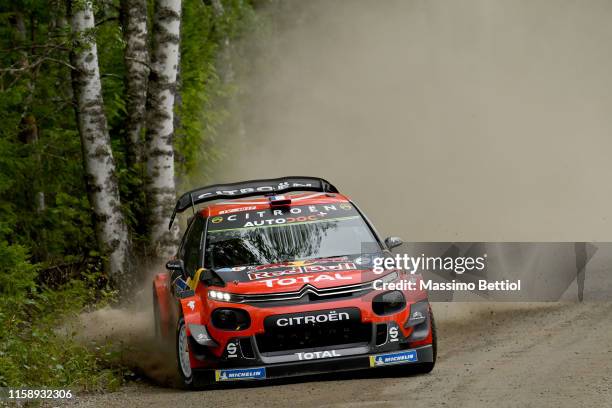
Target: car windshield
(285, 235)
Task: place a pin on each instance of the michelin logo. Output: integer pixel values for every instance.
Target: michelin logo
(241, 374)
(408, 356)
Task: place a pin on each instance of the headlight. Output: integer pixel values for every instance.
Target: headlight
(380, 283)
(388, 278)
(388, 303)
(218, 295)
(231, 319)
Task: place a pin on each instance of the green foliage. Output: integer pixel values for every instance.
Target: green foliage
(16, 273)
(202, 98)
(199, 84)
(50, 268)
(33, 351)
(46, 254)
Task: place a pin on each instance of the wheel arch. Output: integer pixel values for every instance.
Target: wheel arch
(162, 295)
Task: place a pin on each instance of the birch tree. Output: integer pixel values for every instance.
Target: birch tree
(160, 184)
(99, 165)
(136, 56)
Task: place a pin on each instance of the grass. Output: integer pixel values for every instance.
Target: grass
(34, 352)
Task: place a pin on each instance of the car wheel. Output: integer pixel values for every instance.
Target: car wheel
(182, 355)
(424, 368)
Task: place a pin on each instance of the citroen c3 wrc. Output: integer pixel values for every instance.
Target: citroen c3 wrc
(274, 278)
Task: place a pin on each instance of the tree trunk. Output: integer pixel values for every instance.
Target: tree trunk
(160, 184)
(28, 129)
(134, 21)
(102, 189)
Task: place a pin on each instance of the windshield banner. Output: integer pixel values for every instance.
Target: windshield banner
(281, 216)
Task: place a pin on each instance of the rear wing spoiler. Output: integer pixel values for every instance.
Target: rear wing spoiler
(249, 189)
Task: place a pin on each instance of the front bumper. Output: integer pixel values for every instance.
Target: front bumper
(423, 354)
(386, 344)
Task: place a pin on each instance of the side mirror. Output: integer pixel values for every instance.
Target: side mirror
(206, 276)
(393, 242)
(175, 265)
(210, 277)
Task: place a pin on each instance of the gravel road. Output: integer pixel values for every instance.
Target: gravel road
(495, 120)
(507, 355)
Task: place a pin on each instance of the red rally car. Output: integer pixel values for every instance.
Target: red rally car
(275, 278)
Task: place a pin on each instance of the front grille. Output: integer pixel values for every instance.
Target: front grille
(309, 336)
(307, 294)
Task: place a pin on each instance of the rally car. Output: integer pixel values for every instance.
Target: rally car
(274, 278)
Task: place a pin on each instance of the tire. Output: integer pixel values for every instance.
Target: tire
(182, 355)
(424, 368)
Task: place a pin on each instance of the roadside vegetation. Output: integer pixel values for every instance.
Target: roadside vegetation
(86, 129)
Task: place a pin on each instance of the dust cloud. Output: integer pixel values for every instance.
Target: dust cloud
(128, 333)
(478, 120)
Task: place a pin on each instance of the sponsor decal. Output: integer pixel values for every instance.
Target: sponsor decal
(235, 210)
(300, 263)
(232, 350)
(191, 304)
(180, 284)
(417, 315)
(305, 279)
(331, 316)
(408, 356)
(260, 189)
(271, 217)
(363, 260)
(393, 334)
(318, 354)
(241, 374)
(300, 268)
(315, 318)
(304, 262)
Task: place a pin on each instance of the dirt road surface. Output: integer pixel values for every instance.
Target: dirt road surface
(485, 121)
(503, 355)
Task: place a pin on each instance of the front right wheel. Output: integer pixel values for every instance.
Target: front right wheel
(183, 354)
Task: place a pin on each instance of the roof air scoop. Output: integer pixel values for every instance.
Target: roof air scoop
(279, 201)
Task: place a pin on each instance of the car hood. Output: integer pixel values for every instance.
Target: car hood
(292, 276)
